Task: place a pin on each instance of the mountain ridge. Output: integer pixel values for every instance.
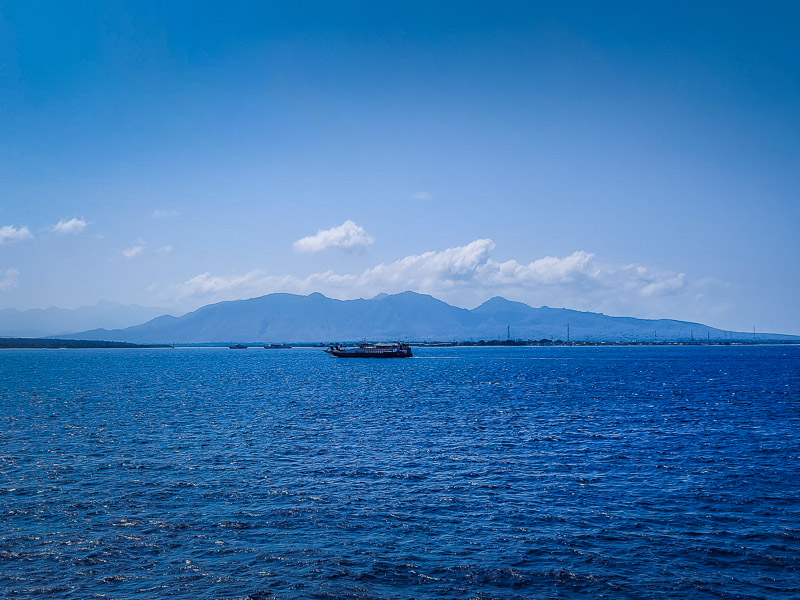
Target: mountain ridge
(407, 316)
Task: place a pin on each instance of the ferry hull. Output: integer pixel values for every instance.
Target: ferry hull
(338, 354)
(364, 351)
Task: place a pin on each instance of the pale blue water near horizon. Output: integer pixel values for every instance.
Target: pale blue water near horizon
(640, 472)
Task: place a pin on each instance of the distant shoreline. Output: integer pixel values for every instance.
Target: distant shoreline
(501, 343)
(58, 344)
(492, 343)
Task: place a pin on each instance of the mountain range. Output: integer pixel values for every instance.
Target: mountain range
(41, 322)
(404, 316)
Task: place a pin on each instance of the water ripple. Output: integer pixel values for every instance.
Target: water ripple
(467, 474)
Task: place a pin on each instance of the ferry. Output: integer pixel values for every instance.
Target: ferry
(364, 350)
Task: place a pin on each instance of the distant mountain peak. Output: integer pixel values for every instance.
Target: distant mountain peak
(499, 300)
(498, 304)
(407, 295)
(410, 294)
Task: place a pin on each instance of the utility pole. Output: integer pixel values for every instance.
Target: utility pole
(568, 333)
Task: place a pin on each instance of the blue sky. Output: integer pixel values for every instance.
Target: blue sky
(636, 159)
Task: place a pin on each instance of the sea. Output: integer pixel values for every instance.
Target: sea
(462, 473)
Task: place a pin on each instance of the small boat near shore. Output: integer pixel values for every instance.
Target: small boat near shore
(387, 350)
(276, 346)
(238, 347)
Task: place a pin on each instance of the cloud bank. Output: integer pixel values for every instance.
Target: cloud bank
(346, 235)
(468, 275)
(72, 226)
(9, 233)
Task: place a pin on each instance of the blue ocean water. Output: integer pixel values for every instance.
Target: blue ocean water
(642, 472)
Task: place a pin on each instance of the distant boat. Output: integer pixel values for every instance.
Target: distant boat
(392, 350)
(237, 347)
(276, 346)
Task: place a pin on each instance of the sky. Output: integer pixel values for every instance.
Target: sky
(637, 159)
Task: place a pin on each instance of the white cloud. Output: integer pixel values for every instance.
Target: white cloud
(421, 196)
(206, 284)
(10, 280)
(668, 285)
(468, 275)
(165, 249)
(72, 226)
(432, 269)
(133, 251)
(346, 235)
(162, 214)
(9, 233)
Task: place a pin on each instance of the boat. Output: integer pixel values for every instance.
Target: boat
(276, 346)
(365, 350)
(237, 347)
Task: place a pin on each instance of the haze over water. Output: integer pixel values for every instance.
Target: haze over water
(643, 472)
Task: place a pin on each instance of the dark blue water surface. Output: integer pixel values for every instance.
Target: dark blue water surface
(644, 472)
